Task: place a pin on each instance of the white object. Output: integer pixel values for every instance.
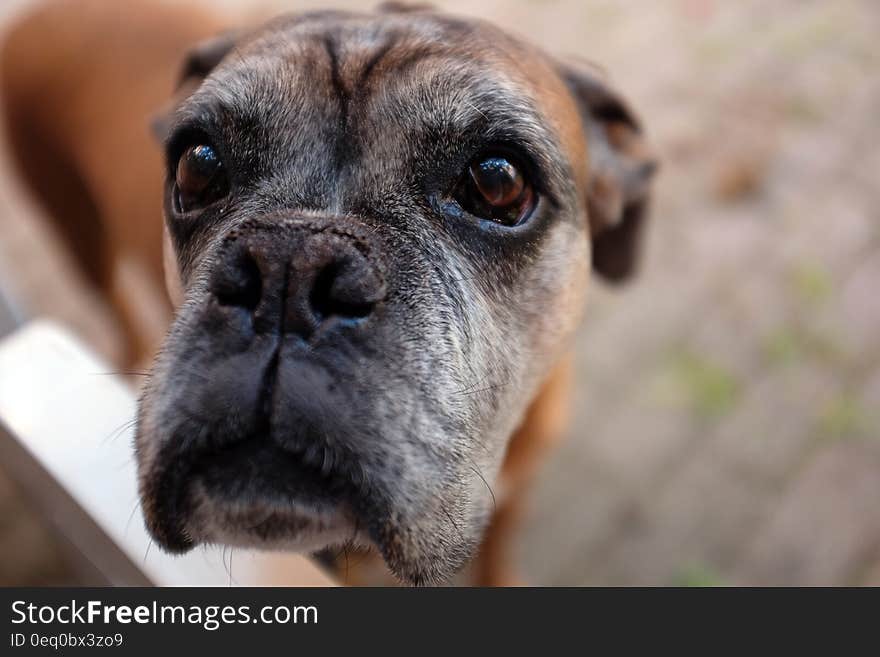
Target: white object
(66, 434)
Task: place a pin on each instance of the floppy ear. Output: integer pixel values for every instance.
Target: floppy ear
(621, 168)
(197, 65)
(205, 55)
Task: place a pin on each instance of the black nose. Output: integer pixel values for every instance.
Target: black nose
(298, 277)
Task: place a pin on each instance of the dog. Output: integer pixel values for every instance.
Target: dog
(379, 233)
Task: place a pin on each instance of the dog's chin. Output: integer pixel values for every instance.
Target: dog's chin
(267, 522)
(255, 494)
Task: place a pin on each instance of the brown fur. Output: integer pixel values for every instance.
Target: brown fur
(76, 110)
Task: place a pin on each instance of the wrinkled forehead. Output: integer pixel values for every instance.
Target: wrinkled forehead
(445, 75)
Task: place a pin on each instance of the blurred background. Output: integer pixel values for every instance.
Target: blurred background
(726, 425)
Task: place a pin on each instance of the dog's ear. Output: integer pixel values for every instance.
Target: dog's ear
(621, 169)
(204, 57)
(197, 65)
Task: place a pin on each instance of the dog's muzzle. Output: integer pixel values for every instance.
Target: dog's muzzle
(262, 445)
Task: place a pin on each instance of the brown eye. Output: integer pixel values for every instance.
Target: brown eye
(200, 179)
(495, 188)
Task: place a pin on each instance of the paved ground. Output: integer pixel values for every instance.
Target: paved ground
(727, 425)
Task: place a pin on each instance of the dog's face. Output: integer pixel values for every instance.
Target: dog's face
(382, 227)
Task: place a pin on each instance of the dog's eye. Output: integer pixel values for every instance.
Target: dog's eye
(494, 187)
(200, 179)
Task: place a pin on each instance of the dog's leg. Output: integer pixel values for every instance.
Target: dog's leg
(541, 429)
(79, 85)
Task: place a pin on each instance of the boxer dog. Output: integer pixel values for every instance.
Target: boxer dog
(379, 231)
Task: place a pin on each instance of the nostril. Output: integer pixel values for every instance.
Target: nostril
(239, 283)
(342, 292)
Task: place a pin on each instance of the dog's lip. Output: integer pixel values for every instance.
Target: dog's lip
(251, 494)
